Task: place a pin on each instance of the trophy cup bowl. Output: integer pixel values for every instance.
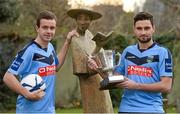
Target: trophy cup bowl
(106, 62)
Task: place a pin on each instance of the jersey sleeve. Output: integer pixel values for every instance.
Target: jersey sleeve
(21, 64)
(56, 58)
(165, 63)
(121, 67)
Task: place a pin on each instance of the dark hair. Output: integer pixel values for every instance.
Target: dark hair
(45, 15)
(143, 16)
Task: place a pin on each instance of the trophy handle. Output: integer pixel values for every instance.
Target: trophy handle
(119, 59)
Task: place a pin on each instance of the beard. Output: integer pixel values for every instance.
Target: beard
(82, 29)
(144, 39)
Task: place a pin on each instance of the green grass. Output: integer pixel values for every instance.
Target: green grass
(69, 110)
(170, 109)
(77, 110)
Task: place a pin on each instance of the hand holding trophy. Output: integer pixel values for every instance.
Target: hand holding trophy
(106, 60)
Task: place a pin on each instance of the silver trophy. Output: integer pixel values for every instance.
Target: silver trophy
(106, 61)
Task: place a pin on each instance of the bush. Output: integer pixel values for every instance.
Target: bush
(9, 45)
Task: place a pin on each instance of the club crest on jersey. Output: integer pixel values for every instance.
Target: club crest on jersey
(139, 70)
(150, 59)
(46, 71)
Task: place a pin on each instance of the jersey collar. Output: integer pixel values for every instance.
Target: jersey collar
(45, 49)
(142, 50)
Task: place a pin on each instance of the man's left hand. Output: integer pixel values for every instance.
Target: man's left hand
(71, 34)
(127, 84)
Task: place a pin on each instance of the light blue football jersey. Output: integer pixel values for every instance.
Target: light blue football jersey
(144, 67)
(32, 59)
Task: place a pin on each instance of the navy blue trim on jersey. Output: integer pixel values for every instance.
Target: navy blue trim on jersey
(38, 57)
(142, 50)
(17, 63)
(36, 44)
(21, 52)
(56, 59)
(139, 61)
(168, 61)
(45, 49)
(168, 65)
(18, 59)
(169, 54)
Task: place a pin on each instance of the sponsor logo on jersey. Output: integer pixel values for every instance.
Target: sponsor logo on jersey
(139, 70)
(17, 63)
(168, 65)
(46, 71)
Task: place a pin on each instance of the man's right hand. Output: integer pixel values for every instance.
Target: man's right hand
(11, 81)
(35, 95)
(92, 64)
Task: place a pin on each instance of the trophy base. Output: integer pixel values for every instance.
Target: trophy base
(110, 82)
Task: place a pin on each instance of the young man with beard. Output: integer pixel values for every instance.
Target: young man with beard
(32, 59)
(147, 68)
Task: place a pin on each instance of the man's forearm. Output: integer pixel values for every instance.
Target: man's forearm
(157, 87)
(11, 81)
(163, 86)
(63, 52)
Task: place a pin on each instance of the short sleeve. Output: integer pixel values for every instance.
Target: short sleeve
(22, 63)
(165, 63)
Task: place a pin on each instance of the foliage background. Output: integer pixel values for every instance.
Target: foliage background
(17, 18)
